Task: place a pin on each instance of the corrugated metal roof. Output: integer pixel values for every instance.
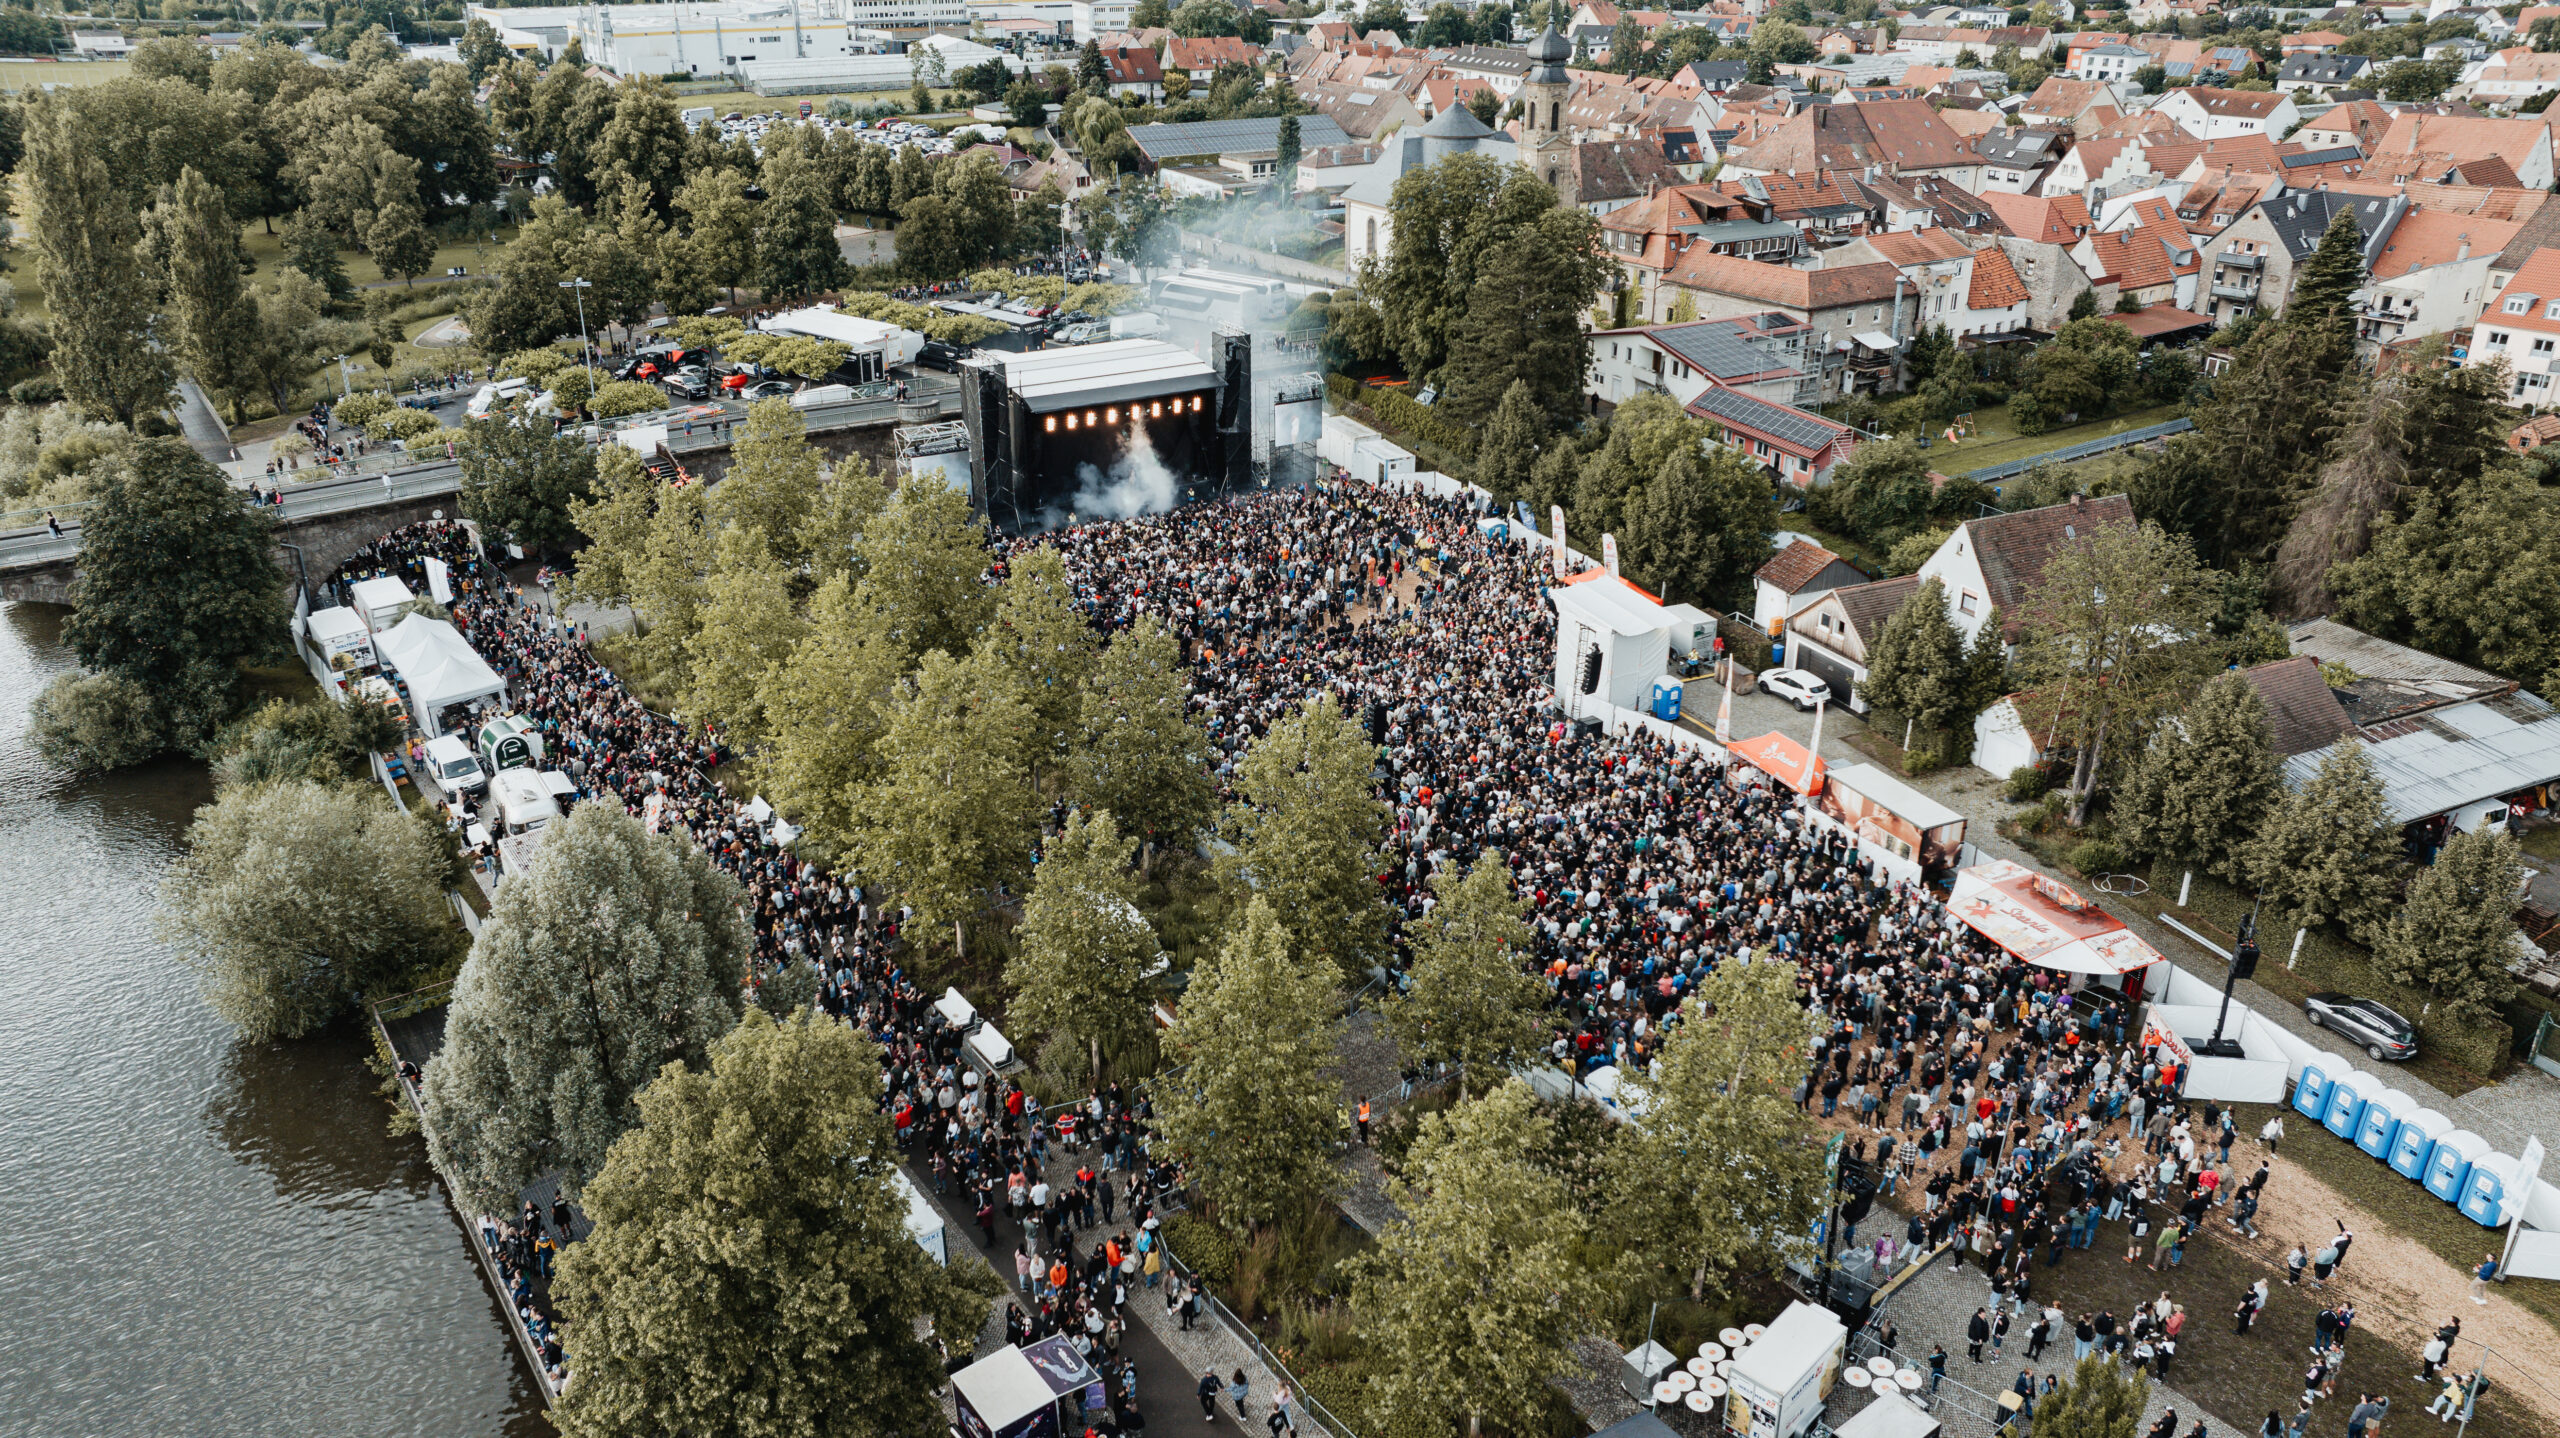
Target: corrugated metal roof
(2465, 754)
(1219, 137)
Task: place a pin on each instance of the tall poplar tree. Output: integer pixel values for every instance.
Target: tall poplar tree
(1080, 968)
(1305, 825)
(209, 318)
(1472, 1001)
(1047, 650)
(1254, 1108)
(953, 813)
(1918, 668)
(608, 954)
(1139, 750)
(85, 235)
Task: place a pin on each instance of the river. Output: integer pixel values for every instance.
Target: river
(203, 1237)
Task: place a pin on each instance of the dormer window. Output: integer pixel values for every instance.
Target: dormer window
(2551, 311)
(2521, 304)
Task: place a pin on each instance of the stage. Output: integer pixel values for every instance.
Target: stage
(1105, 431)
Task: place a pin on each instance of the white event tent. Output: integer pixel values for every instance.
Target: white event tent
(439, 666)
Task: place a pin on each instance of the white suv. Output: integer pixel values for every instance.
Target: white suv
(1796, 687)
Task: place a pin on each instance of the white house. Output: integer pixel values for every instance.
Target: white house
(1794, 577)
(2114, 64)
(2210, 114)
(2522, 327)
(1988, 564)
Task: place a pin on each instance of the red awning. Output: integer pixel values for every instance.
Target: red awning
(2045, 922)
(1784, 760)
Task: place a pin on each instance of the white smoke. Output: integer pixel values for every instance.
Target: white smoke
(1137, 483)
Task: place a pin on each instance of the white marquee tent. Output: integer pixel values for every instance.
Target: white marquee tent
(439, 666)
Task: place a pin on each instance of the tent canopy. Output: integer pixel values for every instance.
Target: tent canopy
(381, 592)
(1003, 1388)
(2044, 922)
(439, 666)
(1890, 1416)
(1784, 760)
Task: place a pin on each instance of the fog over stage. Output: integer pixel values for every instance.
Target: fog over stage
(1105, 431)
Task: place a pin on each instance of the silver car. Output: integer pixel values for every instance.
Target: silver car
(2380, 1032)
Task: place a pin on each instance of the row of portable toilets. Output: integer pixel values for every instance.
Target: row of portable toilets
(2454, 1164)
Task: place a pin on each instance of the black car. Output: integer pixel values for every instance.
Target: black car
(942, 355)
(2380, 1032)
(692, 385)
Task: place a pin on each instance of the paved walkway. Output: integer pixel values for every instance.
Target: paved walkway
(204, 429)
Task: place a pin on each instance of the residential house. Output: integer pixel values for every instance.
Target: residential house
(1831, 637)
(1760, 355)
(2318, 77)
(1202, 58)
(1948, 275)
(1794, 577)
(2211, 114)
(1608, 174)
(1824, 207)
(1645, 238)
(2061, 103)
(2361, 123)
(2042, 233)
(2252, 264)
(1922, 204)
(2522, 327)
(2016, 161)
(1860, 315)
(2432, 276)
(1501, 68)
(2303, 716)
(1988, 564)
(2524, 143)
(2515, 75)
(1133, 70)
(1795, 446)
(1899, 137)
(2311, 42)
(2152, 260)
(2108, 64)
(2097, 168)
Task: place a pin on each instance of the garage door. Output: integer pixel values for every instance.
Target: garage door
(1828, 667)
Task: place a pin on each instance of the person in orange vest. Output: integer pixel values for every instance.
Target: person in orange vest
(1364, 1120)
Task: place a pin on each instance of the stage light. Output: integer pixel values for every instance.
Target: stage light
(1195, 404)
(1088, 419)
(1053, 424)
(1156, 410)
(1071, 421)
(1111, 415)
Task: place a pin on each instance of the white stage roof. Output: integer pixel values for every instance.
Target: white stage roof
(1109, 373)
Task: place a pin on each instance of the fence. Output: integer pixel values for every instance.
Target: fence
(2073, 452)
(1307, 1402)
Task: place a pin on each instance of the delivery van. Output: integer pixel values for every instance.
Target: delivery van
(456, 770)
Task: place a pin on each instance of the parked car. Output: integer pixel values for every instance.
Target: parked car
(2382, 1033)
(1796, 687)
(689, 384)
(942, 355)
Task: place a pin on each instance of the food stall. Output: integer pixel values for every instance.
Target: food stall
(439, 666)
(1915, 838)
(2048, 924)
(378, 600)
(342, 639)
(1017, 1392)
(1778, 1382)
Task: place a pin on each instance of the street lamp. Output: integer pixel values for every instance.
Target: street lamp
(580, 288)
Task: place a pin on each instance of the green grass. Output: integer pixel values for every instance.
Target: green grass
(81, 72)
(2543, 841)
(2000, 443)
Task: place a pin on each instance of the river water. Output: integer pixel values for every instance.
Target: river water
(201, 1236)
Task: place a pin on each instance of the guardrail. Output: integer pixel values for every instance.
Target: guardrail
(1303, 1400)
(2084, 450)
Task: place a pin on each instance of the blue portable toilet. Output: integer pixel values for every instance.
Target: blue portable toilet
(2311, 1090)
(1666, 699)
(2348, 1090)
(2485, 1188)
(2414, 1140)
(2381, 1119)
(2449, 1165)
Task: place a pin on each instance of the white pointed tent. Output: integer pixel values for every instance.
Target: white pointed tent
(439, 666)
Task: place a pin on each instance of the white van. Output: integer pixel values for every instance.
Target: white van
(456, 770)
(496, 396)
(524, 800)
(1136, 327)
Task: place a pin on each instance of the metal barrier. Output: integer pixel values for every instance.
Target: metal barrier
(2087, 448)
(1306, 1402)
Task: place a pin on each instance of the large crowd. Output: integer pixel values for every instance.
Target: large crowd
(2021, 1116)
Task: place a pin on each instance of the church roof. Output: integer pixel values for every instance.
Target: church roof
(1457, 122)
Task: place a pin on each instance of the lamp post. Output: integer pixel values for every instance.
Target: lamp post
(579, 288)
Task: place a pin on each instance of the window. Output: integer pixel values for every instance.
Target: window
(2537, 381)
(2497, 337)
(2542, 347)
(2551, 311)
(2520, 304)
(1968, 603)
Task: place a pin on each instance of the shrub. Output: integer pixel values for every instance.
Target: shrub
(2027, 413)
(156, 426)
(401, 424)
(537, 364)
(363, 409)
(43, 389)
(96, 722)
(628, 396)
(1399, 411)
(2027, 783)
(1923, 759)
(1202, 1246)
(2095, 856)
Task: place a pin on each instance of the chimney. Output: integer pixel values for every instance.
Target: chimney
(2462, 251)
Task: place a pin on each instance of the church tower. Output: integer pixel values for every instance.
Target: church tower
(1546, 139)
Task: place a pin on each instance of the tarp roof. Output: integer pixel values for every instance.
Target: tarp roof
(1107, 373)
(1782, 759)
(1923, 811)
(818, 322)
(1002, 1388)
(2443, 759)
(439, 665)
(381, 592)
(338, 622)
(1604, 601)
(1890, 1416)
(2044, 922)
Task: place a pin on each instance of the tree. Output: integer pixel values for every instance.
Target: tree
(293, 900)
(1139, 750)
(2413, 80)
(1304, 823)
(396, 236)
(1512, 439)
(749, 1212)
(1776, 43)
(796, 250)
(2473, 575)
(1703, 525)
(1918, 667)
(1047, 650)
(1471, 1001)
(642, 147)
(521, 481)
(826, 707)
(953, 814)
(2110, 628)
(481, 50)
(209, 319)
(92, 722)
(311, 249)
(747, 626)
(85, 236)
(926, 558)
(773, 481)
(2231, 484)
(2324, 288)
(1151, 15)
(1725, 1090)
(611, 953)
(1195, 19)
(1080, 968)
(1254, 1111)
(2205, 789)
(2455, 933)
(1523, 319)
(1474, 1291)
(2099, 1400)
(723, 227)
(176, 587)
(1454, 219)
(2330, 853)
(1608, 483)
(1290, 151)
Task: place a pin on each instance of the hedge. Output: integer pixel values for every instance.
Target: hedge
(1202, 1246)
(1397, 412)
(2329, 961)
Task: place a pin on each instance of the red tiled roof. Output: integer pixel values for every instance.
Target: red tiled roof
(1807, 290)
(2048, 219)
(1995, 281)
(1795, 566)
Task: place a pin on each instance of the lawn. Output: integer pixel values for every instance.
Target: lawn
(27, 74)
(2000, 443)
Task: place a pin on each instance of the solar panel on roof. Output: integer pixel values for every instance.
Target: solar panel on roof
(1793, 426)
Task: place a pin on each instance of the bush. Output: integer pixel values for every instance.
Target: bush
(536, 364)
(402, 424)
(156, 426)
(1399, 411)
(361, 410)
(96, 722)
(2027, 413)
(42, 390)
(1923, 759)
(2027, 783)
(628, 396)
(1202, 1246)
(2095, 856)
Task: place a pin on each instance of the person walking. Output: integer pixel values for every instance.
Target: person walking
(2480, 1277)
(2245, 1314)
(1209, 1387)
(1937, 1367)
(1238, 1390)
(2293, 1265)
(2040, 1335)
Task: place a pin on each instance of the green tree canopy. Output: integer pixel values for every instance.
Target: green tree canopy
(2207, 785)
(1305, 824)
(1139, 750)
(2330, 853)
(1080, 968)
(521, 481)
(1702, 525)
(953, 813)
(1917, 669)
(86, 237)
(2455, 934)
(1472, 1000)
(750, 1273)
(2098, 1400)
(611, 953)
